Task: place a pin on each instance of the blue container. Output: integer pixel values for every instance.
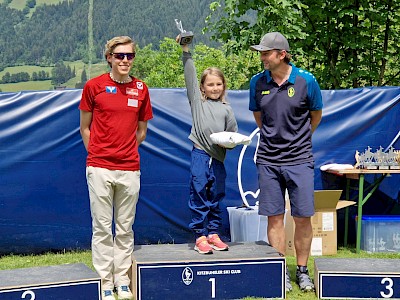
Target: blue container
(380, 233)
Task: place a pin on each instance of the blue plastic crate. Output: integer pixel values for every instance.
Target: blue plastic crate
(380, 233)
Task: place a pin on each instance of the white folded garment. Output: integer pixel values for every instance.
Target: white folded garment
(229, 139)
(336, 167)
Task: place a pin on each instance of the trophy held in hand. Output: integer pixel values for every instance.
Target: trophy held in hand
(186, 37)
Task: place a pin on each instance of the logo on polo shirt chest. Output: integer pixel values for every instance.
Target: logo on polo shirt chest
(291, 92)
(111, 89)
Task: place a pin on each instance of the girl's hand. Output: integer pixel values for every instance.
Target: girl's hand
(185, 48)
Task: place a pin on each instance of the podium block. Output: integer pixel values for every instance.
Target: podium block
(178, 272)
(357, 278)
(61, 282)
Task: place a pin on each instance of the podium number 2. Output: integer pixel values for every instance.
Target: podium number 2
(28, 293)
(389, 287)
(212, 280)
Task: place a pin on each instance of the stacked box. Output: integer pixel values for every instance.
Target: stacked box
(246, 225)
(380, 233)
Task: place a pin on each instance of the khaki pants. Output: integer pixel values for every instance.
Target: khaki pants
(112, 193)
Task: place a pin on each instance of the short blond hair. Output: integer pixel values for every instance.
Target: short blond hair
(116, 41)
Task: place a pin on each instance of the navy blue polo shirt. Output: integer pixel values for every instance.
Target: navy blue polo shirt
(285, 136)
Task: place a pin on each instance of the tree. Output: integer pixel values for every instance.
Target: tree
(90, 52)
(61, 73)
(30, 3)
(20, 77)
(43, 75)
(163, 68)
(350, 43)
(79, 85)
(84, 76)
(78, 30)
(6, 78)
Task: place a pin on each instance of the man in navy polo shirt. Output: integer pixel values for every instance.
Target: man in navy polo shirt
(287, 105)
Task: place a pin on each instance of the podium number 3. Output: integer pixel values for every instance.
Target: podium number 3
(28, 293)
(389, 287)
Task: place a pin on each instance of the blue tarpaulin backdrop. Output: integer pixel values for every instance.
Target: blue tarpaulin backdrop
(44, 202)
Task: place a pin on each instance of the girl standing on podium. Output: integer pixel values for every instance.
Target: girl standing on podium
(210, 114)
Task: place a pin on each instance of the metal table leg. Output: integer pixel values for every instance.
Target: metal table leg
(361, 201)
(346, 215)
(359, 214)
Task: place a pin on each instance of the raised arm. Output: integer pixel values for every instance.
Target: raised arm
(191, 81)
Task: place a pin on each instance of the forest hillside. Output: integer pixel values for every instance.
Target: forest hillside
(42, 33)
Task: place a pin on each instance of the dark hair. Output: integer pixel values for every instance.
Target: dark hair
(288, 57)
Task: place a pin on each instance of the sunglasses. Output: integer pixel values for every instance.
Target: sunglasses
(121, 56)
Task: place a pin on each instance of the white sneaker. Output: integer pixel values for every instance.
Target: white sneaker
(124, 293)
(107, 295)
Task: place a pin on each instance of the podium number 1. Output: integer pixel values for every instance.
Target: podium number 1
(389, 287)
(212, 287)
(28, 293)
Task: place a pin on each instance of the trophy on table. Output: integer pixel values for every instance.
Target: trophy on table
(186, 36)
(378, 160)
(394, 159)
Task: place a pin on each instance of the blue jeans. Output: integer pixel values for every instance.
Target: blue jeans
(207, 190)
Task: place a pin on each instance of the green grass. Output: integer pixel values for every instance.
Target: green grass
(20, 4)
(12, 261)
(48, 259)
(17, 4)
(45, 85)
(28, 69)
(48, 2)
(27, 86)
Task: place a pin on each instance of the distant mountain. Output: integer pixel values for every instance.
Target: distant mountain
(59, 32)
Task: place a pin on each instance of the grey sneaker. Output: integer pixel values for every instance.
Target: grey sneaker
(289, 287)
(304, 281)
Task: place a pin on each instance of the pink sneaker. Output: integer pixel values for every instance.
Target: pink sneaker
(202, 246)
(216, 243)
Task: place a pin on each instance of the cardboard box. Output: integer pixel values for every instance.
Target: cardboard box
(324, 223)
